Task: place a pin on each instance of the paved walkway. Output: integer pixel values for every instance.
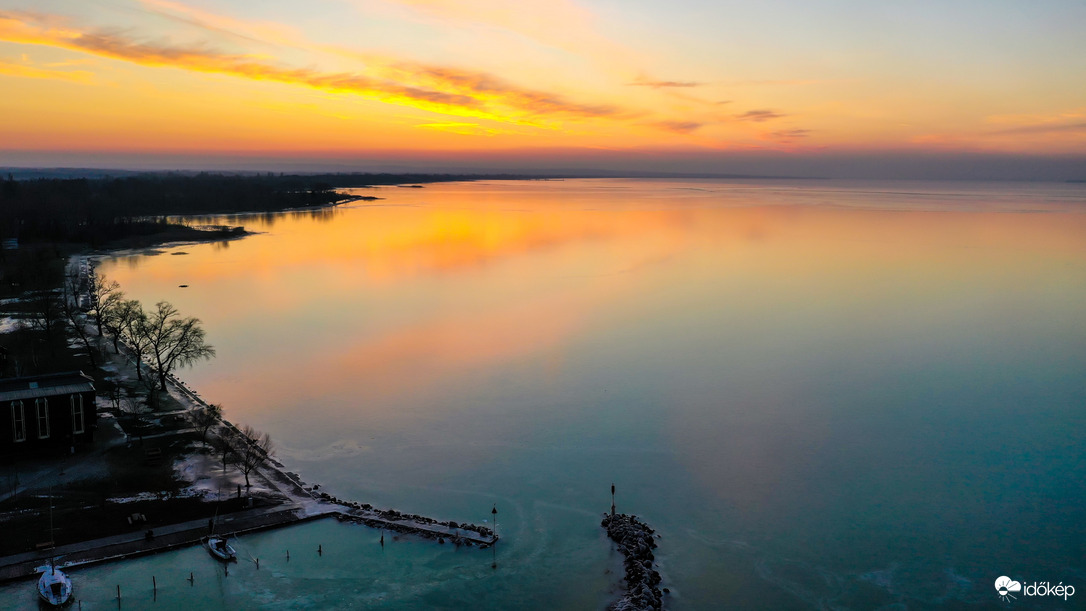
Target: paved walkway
(130, 545)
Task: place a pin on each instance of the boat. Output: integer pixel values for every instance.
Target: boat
(54, 587)
(219, 548)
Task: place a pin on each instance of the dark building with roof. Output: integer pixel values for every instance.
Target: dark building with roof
(54, 410)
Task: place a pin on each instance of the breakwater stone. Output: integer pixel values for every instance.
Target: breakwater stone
(635, 540)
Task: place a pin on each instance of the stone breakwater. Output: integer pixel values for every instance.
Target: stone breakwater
(635, 540)
(392, 520)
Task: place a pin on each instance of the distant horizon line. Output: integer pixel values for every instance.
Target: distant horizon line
(32, 172)
(877, 165)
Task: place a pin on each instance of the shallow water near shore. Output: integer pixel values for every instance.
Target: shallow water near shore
(820, 393)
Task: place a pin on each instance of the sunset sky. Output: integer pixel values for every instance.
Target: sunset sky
(562, 83)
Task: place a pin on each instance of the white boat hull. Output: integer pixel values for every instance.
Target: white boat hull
(222, 550)
(55, 588)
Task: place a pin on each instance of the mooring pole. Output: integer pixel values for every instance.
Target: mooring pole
(612, 499)
(494, 539)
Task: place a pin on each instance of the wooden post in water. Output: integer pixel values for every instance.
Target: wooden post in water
(612, 499)
(320, 551)
(192, 579)
(494, 539)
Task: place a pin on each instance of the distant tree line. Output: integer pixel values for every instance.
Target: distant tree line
(100, 210)
(97, 211)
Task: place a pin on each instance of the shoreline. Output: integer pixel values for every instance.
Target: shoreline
(297, 502)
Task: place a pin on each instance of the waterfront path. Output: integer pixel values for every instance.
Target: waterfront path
(184, 534)
(173, 536)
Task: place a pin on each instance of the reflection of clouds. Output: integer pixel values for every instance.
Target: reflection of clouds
(418, 356)
(392, 242)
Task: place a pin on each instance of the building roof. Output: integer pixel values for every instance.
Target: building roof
(48, 385)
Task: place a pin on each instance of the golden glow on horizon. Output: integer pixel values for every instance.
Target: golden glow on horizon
(431, 75)
(426, 286)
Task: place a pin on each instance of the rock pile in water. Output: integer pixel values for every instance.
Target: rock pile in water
(635, 541)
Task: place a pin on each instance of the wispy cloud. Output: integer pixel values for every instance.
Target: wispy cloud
(790, 135)
(452, 91)
(444, 90)
(665, 84)
(759, 115)
(784, 82)
(559, 24)
(487, 86)
(1044, 129)
(679, 127)
(464, 129)
(24, 70)
(211, 22)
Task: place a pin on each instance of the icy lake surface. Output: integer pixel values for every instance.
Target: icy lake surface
(820, 393)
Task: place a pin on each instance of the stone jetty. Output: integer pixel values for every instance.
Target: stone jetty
(636, 541)
(459, 533)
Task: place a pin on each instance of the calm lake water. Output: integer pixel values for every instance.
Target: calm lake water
(821, 394)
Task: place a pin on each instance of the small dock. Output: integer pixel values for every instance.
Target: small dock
(132, 545)
(185, 534)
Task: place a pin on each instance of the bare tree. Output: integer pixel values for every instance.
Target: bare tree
(45, 313)
(149, 384)
(112, 388)
(103, 293)
(254, 449)
(69, 305)
(206, 418)
(116, 314)
(174, 341)
(136, 408)
(134, 332)
(223, 443)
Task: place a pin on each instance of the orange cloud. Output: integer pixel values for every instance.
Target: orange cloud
(462, 93)
(790, 135)
(1046, 128)
(664, 84)
(261, 32)
(480, 84)
(29, 71)
(759, 115)
(679, 127)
